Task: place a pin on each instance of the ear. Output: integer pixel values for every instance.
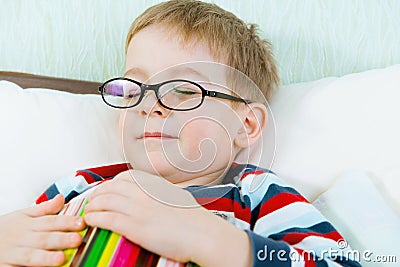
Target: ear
(254, 121)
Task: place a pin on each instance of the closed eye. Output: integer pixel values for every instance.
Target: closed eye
(185, 91)
(132, 95)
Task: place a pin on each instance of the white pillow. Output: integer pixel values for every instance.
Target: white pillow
(335, 124)
(47, 134)
(358, 209)
(322, 128)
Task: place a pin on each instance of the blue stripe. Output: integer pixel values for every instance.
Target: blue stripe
(95, 176)
(347, 262)
(229, 192)
(251, 168)
(275, 189)
(71, 195)
(52, 191)
(319, 262)
(200, 191)
(268, 252)
(321, 228)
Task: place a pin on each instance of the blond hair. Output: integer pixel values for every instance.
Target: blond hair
(229, 39)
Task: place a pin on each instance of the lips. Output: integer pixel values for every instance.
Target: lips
(156, 135)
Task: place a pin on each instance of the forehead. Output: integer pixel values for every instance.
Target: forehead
(156, 53)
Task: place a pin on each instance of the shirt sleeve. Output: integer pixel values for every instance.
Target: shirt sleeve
(283, 227)
(83, 180)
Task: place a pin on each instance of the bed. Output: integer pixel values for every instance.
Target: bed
(26, 80)
(342, 157)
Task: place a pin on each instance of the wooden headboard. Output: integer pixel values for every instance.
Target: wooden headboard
(26, 80)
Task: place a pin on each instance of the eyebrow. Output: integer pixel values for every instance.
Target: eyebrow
(189, 70)
(175, 72)
(135, 70)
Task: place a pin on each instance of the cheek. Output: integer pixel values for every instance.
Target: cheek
(205, 138)
(121, 122)
(125, 124)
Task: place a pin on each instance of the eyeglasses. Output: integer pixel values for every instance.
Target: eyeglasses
(180, 95)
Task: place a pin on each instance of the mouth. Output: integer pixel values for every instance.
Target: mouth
(156, 135)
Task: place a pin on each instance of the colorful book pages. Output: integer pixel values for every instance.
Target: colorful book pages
(104, 248)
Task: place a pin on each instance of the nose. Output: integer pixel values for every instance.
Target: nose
(150, 105)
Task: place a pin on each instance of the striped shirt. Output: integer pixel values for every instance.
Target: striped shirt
(283, 227)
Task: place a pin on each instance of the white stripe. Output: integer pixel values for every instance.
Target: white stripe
(89, 190)
(67, 184)
(81, 186)
(257, 185)
(317, 244)
(296, 214)
(296, 258)
(230, 217)
(161, 262)
(242, 224)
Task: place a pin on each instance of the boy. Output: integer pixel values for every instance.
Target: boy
(181, 139)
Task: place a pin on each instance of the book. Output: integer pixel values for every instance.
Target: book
(104, 248)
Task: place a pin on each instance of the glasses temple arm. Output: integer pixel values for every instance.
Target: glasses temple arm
(226, 96)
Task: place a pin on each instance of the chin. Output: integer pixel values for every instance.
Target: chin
(154, 165)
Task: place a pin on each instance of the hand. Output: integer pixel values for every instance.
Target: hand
(165, 219)
(153, 219)
(35, 236)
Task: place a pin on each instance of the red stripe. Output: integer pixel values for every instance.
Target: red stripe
(226, 204)
(88, 177)
(150, 259)
(134, 254)
(111, 170)
(294, 238)
(42, 198)
(308, 258)
(279, 201)
(253, 172)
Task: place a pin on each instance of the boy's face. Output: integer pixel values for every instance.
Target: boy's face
(184, 147)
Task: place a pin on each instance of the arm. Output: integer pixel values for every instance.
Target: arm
(36, 236)
(282, 225)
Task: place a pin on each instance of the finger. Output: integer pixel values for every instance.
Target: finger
(52, 240)
(52, 206)
(24, 256)
(126, 175)
(109, 220)
(109, 202)
(63, 223)
(121, 187)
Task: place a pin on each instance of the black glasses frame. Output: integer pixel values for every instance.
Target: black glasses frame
(155, 88)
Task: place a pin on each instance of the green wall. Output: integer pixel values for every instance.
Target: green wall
(311, 38)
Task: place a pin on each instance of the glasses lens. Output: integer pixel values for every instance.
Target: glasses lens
(180, 95)
(121, 93)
